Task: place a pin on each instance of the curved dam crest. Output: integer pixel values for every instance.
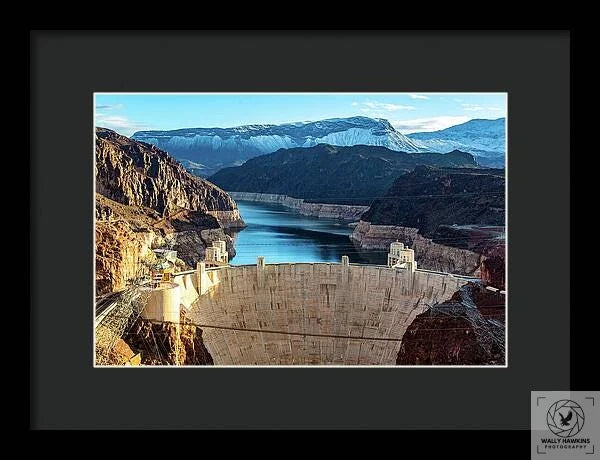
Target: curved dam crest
(309, 313)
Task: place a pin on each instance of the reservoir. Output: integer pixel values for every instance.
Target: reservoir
(281, 234)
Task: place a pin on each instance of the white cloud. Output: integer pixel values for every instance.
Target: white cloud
(458, 100)
(418, 96)
(472, 107)
(375, 105)
(428, 124)
(110, 107)
(479, 108)
(120, 124)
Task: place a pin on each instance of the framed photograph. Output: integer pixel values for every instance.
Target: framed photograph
(305, 229)
(300, 229)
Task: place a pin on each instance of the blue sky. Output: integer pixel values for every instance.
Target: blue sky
(407, 112)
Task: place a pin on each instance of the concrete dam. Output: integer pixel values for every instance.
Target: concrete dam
(305, 313)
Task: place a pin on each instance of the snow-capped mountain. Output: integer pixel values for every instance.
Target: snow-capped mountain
(485, 139)
(217, 148)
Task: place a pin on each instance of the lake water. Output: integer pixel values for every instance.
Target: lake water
(282, 235)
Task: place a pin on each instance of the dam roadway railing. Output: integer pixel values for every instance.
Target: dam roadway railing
(194, 284)
(212, 271)
(107, 303)
(423, 270)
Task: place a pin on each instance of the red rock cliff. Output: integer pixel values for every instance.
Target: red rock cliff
(144, 196)
(467, 329)
(138, 174)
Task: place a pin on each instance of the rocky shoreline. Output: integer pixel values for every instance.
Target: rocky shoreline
(324, 210)
(430, 255)
(228, 219)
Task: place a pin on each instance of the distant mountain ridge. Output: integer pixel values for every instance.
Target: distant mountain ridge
(442, 196)
(215, 148)
(485, 139)
(354, 175)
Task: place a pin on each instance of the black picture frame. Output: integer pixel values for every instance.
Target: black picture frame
(67, 67)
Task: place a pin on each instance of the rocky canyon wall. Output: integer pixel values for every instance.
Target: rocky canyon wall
(493, 268)
(138, 174)
(324, 210)
(467, 329)
(123, 240)
(119, 252)
(144, 198)
(452, 218)
(429, 255)
(168, 344)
